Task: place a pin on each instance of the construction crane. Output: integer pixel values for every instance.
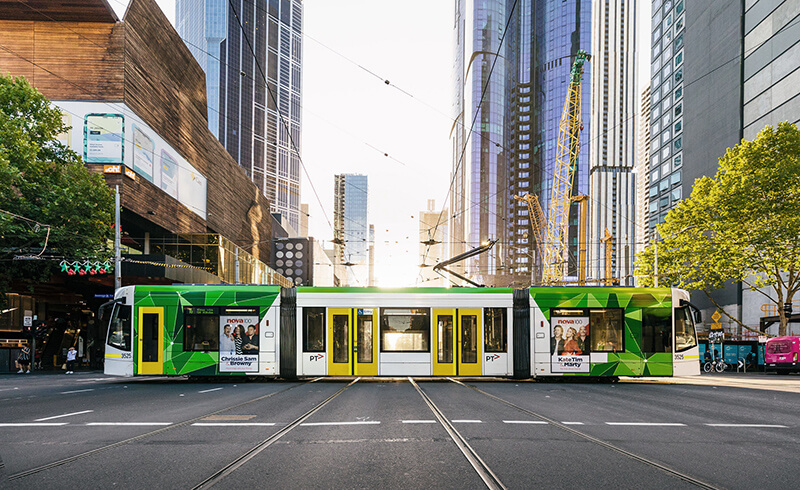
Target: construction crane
(555, 241)
(538, 222)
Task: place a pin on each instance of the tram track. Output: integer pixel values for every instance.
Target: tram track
(655, 464)
(481, 468)
(61, 462)
(247, 456)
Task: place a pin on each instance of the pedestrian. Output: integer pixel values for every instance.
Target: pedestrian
(71, 354)
(24, 360)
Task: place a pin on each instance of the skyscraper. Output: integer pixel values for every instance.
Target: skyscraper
(612, 147)
(251, 51)
(508, 104)
(350, 228)
(642, 171)
(432, 249)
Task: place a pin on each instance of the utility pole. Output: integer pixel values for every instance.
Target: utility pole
(117, 242)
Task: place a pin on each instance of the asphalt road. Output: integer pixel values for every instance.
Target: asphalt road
(92, 431)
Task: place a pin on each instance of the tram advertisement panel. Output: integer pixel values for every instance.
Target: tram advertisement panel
(566, 353)
(238, 344)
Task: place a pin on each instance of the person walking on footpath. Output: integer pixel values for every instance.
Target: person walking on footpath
(71, 354)
(24, 360)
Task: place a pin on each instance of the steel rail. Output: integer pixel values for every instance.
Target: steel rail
(60, 462)
(600, 442)
(247, 456)
(487, 475)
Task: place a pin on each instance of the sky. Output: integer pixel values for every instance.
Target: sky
(397, 133)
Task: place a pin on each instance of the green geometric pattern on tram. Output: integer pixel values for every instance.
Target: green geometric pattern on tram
(629, 364)
(633, 332)
(213, 297)
(658, 364)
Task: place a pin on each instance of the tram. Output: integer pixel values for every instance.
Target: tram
(253, 330)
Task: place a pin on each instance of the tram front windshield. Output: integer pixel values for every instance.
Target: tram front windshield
(685, 335)
(119, 328)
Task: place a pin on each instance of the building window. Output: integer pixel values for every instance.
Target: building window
(678, 143)
(676, 194)
(664, 202)
(653, 190)
(665, 151)
(654, 175)
(678, 58)
(679, 41)
(665, 137)
(678, 126)
(679, 24)
(678, 110)
(663, 185)
(677, 161)
(679, 75)
(653, 206)
(679, 7)
(665, 168)
(676, 178)
(678, 92)
(667, 70)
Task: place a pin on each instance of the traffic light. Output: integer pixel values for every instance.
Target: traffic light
(787, 309)
(28, 330)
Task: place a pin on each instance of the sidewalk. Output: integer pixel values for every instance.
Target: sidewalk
(756, 381)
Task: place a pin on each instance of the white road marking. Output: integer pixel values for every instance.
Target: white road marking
(234, 424)
(764, 426)
(648, 424)
(93, 379)
(418, 421)
(209, 391)
(32, 424)
(467, 421)
(133, 424)
(572, 423)
(64, 415)
(364, 422)
(76, 391)
(532, 422)
(7, 389)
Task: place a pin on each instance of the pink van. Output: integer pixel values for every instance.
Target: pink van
(781, 355)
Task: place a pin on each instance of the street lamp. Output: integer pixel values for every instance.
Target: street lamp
(655, 251)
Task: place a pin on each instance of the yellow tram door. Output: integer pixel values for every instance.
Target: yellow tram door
(444, 342)
(469, 342)
(365, 343)
(339, 342)
(150, 345)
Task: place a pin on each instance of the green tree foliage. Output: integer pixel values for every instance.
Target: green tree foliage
(51, 206)
(742, 225)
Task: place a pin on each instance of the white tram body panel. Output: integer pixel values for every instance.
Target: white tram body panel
(372, 303)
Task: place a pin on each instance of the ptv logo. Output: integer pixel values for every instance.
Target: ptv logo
(315, 357)
(492, 358)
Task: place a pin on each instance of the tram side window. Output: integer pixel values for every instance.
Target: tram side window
(606, 330)
(313, 329)
(405, 329)
(656, 329)
(119, 331)
(494, 324)
(200, 329)
(685, 334)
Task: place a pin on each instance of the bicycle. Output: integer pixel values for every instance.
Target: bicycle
(717, 365)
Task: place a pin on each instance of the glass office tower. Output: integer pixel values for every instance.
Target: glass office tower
(350, 228)
(251, 51)
(507, 111)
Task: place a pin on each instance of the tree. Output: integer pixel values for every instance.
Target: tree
(51, 206)
(742, 225)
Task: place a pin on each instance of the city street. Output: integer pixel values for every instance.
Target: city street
(714, 431)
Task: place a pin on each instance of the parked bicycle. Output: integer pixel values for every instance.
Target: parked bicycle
(717, 365)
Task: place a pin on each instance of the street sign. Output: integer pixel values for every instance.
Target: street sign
(762, 339)
(714, 336)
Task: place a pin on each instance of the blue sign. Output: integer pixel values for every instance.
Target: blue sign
(104, 296)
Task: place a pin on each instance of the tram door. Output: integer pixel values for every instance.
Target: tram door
(352, 342)
(444, 342)
(150, 344)
(469, 342)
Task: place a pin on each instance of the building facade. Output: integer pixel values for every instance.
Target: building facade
(642, 173)
(251, 52)
(612, 147)
(507, 110)
(350, 227)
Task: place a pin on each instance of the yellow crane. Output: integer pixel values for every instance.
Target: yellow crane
(555, 241)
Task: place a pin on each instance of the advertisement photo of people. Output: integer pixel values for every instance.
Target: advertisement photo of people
(570, 344)
(238, 344)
